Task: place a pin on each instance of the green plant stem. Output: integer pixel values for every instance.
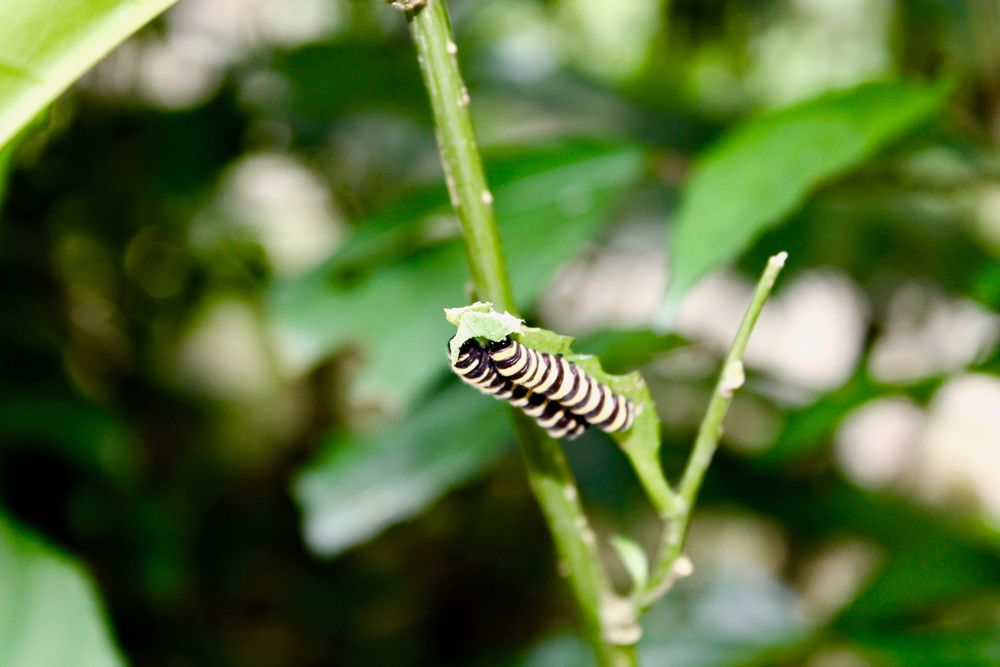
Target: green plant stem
(463, 169)
(709, 433)
(549, 474)
(553, 485)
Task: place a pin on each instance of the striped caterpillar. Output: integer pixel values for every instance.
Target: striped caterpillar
(560, 380)
(561, 397)
(476, 368)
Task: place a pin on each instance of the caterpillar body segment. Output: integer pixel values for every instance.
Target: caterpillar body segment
(562, 381)
(475, 367)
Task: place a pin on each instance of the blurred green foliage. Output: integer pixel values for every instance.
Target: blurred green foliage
(224, 257)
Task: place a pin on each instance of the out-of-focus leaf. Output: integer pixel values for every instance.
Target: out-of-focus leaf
(9, 151)
(810, 429)
(986, 288)
(45, 45)
(49, 613)
(935, 558)
(77, 430)
(622, 351)
(764, 169)
(6, 161)
(362, 485)
(548, 210)
(369, 75)
(928, 648)
(924, 572)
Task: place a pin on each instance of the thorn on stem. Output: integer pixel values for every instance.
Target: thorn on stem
(679, 569)
(683, 567)
(409, 5)
(733, 378)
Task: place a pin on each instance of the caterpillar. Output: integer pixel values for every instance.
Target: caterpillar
(476, 368)
(564, 382)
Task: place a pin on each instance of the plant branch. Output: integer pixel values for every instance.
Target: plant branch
(610, 627)
(670, 563)
(463, 169)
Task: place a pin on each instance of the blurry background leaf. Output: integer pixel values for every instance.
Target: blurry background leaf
(549, 206)
(6, 157)
(929, 648)
(762, 170)
(47, 44)
(361, 484)
(49, 614)
(74, 429)
(624, 350)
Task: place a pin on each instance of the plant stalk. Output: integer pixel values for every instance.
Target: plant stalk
(463, 168)
(549, 475)
(669, 564)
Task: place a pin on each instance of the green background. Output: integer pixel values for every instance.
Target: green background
(223, 380)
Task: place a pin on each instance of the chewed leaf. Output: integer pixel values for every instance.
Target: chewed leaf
(455, 315)
(641, 443)
(479, 321)
(544, 340)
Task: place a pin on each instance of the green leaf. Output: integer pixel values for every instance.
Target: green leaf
(627, 349)
(930, 647)
(808, 431)
(634, 559)
(6, 162)
(70, 427)
(765, 169)
(45, 45)
(549, 208)
(49, 613)
(362, 485)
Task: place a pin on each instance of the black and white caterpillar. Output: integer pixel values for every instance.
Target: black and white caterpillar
(476, 368)
(561, 397)
(560, 380)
